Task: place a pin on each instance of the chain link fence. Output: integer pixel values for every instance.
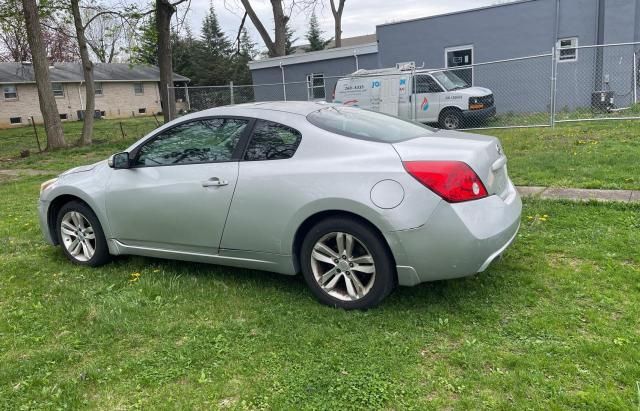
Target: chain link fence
(567, 84)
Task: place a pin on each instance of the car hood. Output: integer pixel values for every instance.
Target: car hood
(84, 169)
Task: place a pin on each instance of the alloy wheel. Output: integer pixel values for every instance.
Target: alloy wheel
(78, 236)
(342, 266)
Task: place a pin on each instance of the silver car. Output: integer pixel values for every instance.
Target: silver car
(356, 201)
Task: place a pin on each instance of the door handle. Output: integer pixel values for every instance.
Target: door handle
(214, 182)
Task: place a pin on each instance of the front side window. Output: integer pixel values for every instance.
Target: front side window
(315, 86)
(10, 92)
(201, 141)
(138, 88)
(426, 84)
(567, 49)
(58, 89)
(272, 141)
(450, 80)
(98, 87)
(367, 125)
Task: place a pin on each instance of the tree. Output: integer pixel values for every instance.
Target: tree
(337, 20)
(277, 46)
(56, 34)
(87, 71)
(165, 9)
(146, 49)
(314, 35)
(289, 39)
(105, 33)
(48, 107)
(213, 37)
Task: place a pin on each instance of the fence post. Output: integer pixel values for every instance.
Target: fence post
(35, 131)
(554, 74)
(231, 92)
(186, 97)
(284, 86)
(168, 105)
(635, 77)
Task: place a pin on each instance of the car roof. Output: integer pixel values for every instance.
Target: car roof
(292, 107)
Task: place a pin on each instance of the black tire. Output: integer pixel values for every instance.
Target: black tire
(385, 272)
(101, 254)
(451, 119)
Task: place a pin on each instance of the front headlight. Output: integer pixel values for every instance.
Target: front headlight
(47, 184)
(475, 103)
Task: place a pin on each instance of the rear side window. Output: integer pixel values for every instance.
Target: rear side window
(367, 125)
(272, 141)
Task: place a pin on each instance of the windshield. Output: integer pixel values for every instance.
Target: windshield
(450, 80)
(367, 125)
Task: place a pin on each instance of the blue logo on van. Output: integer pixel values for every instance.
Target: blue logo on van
(375, 84)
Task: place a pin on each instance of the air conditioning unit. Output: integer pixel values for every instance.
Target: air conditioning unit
(407, 65)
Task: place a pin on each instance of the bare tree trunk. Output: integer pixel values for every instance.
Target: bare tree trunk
(87, 70)
(337, 18)
(164, 11)
(48, 107)
(275, 47)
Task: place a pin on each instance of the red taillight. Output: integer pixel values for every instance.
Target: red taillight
(454, 181)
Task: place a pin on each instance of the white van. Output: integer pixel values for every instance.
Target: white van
(427, 96)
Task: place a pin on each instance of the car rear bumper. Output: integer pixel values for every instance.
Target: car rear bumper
(481, 114)
(458, 240)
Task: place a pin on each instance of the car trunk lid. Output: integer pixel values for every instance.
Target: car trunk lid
(483, 154)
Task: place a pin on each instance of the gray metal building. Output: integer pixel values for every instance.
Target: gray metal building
(469, 40)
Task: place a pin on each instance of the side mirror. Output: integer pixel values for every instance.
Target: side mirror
(119, 160)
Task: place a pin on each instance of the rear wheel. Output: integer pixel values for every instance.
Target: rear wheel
(451, 119)
(346, 264)
(81, 236)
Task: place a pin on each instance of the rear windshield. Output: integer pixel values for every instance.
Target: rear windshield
(367, 125)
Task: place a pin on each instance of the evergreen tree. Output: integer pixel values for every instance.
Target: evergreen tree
(289, 40)
(314, 35)
(146, 51)
(213, 38)
(247, 46)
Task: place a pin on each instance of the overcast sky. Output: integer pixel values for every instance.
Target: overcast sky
(359, 17)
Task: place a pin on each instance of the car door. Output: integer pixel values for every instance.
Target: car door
(177, 191)
(426, 98)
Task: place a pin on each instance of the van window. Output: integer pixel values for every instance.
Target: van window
(367, 125)
(426, 84)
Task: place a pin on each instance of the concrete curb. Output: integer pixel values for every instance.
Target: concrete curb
(580, 194)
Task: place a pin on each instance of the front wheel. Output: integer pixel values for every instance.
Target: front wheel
(81, 235)
(346, 264)
(451, 119)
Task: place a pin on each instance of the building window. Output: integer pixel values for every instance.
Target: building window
(63, 116)
(462, 56)
(142, 110)
(98, 86)
(138, 88)
(15, 120)
(568, 49)
(315, 86)
(10, 92)
(58, 89)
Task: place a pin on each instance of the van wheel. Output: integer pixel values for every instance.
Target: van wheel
(450, 119)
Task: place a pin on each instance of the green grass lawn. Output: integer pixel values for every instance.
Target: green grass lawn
(553, 325)
(585, 155)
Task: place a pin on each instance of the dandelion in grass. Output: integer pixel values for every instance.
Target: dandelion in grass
(134, 277)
